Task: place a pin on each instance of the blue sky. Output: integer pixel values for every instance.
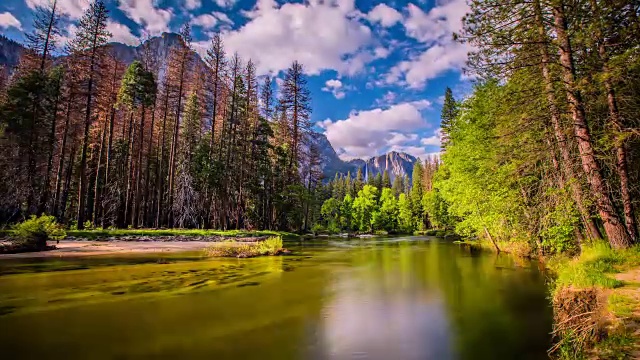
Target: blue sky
(377, 70)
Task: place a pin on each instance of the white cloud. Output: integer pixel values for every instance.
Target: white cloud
(192, 4)
(155, 20)
(121, 33)
(434, 30)
(72, 8)
(7, 20)
(320, 34)
(438, 24)
(400, 138)
(209, 21)
(336, 87)
(416, 151)
(369, 132)
(434, 140)
(385, 15)
(225, 3)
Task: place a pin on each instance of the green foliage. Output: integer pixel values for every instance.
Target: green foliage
(268, 247)
(592, 267)
(436, 208)
(386, 218)
(405, 216)
(364, 206)
(37, 230)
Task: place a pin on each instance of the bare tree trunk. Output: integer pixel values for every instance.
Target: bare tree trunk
(135, 214)
(96, 188)
(63, 149)
(145, 215)
(616, 232)
(46, 193)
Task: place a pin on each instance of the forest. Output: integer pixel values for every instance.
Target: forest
(546, 148)
(169, 142)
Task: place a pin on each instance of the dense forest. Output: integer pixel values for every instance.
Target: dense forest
(546, 149)
(159, 143)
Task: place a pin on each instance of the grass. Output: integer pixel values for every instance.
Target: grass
(593, 265)
(593, 270)
(177, 232)
(271, 246)
(621, 305)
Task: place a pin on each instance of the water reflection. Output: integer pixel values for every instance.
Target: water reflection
(392, 299)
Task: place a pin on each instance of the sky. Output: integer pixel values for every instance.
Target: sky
(377, 70)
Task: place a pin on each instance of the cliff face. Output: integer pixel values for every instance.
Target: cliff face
(397, 164)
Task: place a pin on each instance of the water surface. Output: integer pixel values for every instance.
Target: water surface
(396, 298)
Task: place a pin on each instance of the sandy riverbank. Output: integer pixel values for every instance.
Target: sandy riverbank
(76, 248)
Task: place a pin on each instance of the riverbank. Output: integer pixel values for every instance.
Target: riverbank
(83, 248)
(595, 297)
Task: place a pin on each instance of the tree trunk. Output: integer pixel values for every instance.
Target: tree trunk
(615, 230)
(567, 163)
(618, 127)
(63, 149)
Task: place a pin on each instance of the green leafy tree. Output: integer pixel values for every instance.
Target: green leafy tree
(331, 214)
(364, 206)
(386, 218)
(405, 215)
(346, 213)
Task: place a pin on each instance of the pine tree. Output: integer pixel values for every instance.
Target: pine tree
(386, 181)
(87, 50)
(296, 100)
(448, 115)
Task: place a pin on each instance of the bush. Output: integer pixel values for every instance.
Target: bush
(37, 230)
(271, 246)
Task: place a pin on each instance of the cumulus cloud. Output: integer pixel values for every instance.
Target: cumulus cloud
(433, 29)
(225, 3)
(320, 34)
(336, 87)
(192, 4)
(209, 21)
(7, 20)
(385, 15)
(121, 33)
(72, 8)
(434, 140)
(369, 132)
(154, 19)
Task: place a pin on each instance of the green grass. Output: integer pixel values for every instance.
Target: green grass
(615, 346)
(177, 232)
(271, 246)
(621, 306)
(593, 265)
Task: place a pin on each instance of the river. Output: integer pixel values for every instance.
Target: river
(383, 298)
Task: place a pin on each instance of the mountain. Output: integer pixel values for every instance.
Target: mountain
(398, 164)
(10, 52)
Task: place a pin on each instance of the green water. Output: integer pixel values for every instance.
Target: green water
(396, 298)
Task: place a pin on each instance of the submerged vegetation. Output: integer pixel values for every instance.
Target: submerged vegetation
(268, 247)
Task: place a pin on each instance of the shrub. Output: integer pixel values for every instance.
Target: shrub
(37, 230)
(269, 246)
